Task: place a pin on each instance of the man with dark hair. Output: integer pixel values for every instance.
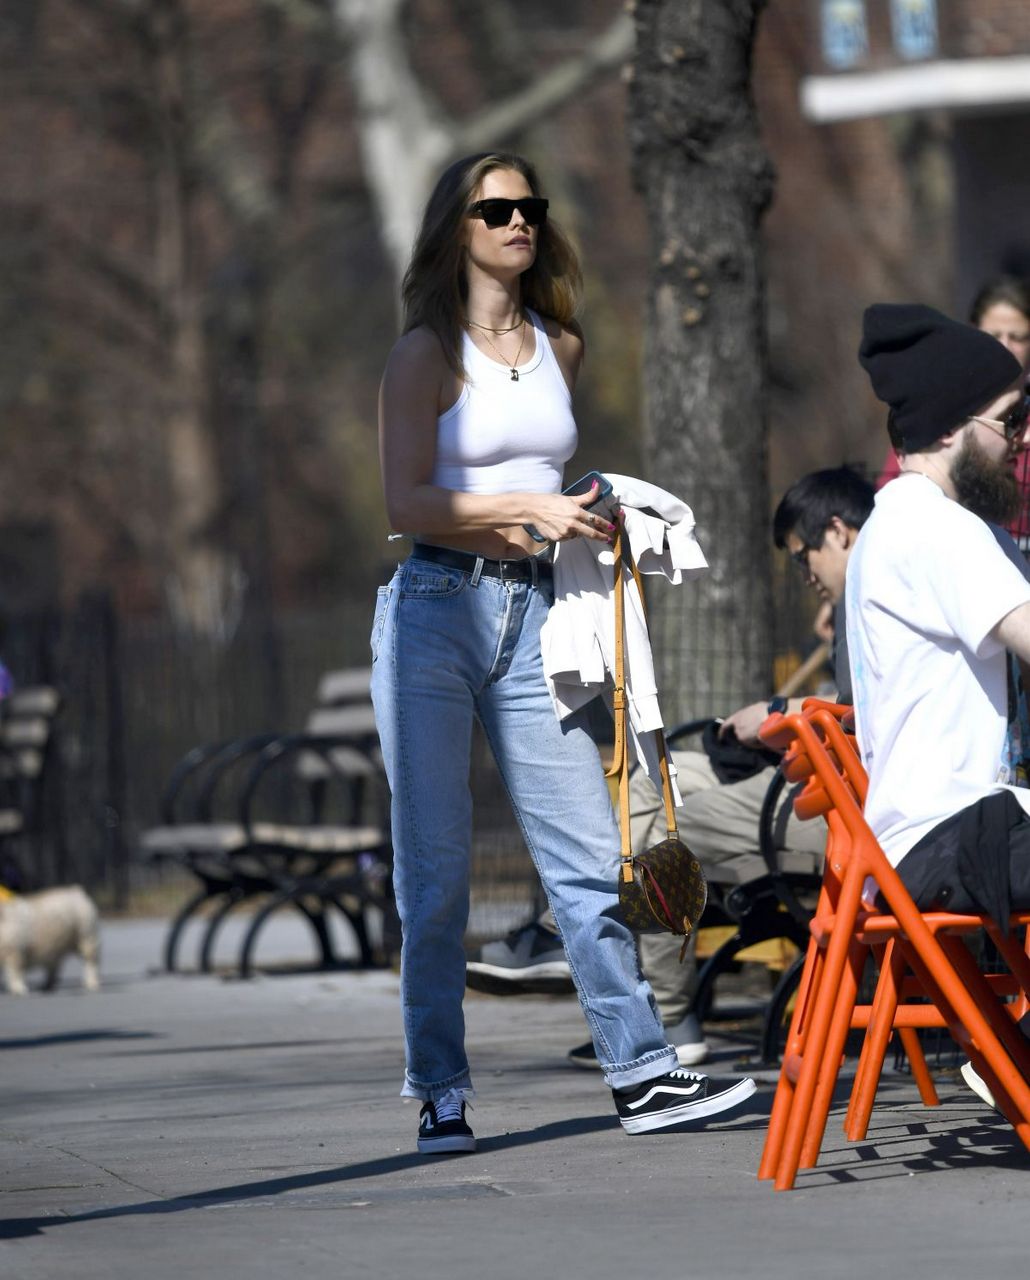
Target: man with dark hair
(933, 603)
(817, 522)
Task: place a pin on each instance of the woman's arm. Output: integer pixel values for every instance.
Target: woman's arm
(414, 387)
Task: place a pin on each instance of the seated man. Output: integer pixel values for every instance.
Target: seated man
(817, 522)
(932, 604)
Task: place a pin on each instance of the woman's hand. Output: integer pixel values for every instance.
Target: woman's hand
(558, 517)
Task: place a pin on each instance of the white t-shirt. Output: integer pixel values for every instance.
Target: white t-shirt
(926, 584)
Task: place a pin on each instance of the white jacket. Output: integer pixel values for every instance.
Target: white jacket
(578, 638)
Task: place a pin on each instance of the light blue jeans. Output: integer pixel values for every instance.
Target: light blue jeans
(444, 651)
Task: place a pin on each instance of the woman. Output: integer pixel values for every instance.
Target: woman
(475, 427)
(1002, 309)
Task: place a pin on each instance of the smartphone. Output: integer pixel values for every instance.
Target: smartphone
(601, 506)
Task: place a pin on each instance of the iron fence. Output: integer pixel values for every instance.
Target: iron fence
(137, 695)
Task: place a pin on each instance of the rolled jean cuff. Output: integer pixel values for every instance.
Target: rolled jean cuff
(626, 1075)
(462, 1082)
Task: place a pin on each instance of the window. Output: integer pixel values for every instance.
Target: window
(914, 26)
(844, 33)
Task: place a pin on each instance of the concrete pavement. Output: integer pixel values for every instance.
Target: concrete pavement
(194, 1126)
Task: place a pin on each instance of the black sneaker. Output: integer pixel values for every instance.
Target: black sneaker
(442, 1126)
(530, 959)
(675, 1098)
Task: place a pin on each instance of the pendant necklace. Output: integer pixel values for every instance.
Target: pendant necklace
(514, 371)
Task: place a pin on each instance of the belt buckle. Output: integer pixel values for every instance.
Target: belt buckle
(526, 569)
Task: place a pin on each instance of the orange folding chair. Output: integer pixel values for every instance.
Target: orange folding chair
(819, 754)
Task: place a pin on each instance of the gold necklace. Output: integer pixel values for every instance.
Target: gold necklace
(514, 371)
(510, 329)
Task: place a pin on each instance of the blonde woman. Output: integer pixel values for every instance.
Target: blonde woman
(476, 425)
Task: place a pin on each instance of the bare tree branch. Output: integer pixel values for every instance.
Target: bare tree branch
(554, 88)
(403, 131)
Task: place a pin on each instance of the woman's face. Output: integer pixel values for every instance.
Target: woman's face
(508, 250)
(1012, 329)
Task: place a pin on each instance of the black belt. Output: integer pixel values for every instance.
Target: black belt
(527, 568)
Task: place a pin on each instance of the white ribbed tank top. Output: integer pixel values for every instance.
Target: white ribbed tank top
(501, 436)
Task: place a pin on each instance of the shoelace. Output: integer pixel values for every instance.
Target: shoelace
(692, 1077)
(449, 1107)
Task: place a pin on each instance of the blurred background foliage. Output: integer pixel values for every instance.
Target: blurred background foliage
(203, 207)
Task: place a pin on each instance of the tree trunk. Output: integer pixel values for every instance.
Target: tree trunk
(706, 181)
(203, 581)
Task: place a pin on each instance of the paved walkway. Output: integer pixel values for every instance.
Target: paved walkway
(191, 1126)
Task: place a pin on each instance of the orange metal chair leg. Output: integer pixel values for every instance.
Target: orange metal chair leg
(840, 1025)
(793, 1052)
(874, 1047)
(818, 1033)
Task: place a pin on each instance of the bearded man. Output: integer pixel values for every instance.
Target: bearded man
(933, 602)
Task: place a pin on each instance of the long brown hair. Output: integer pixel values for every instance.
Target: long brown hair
(435, 286)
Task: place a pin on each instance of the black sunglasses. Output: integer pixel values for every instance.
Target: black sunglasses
(1012, 425)
(1016, 419)
(496, 212)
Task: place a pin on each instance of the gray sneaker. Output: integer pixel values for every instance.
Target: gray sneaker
(686, 1038)
(532, 959)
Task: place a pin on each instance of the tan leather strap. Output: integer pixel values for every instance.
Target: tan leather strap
(659, 734)
(620, 757)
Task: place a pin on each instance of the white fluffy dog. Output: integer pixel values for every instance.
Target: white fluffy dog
(43, 928)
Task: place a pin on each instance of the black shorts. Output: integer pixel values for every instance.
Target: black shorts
(930, 869)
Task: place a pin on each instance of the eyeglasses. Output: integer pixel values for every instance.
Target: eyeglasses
(496, 212)
(800, 557)
(1013, 426)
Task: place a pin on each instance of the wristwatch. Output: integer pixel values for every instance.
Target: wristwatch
(776, 704)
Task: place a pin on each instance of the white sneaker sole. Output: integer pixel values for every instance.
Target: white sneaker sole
(977, 1084)
(710, 1106)
(444, 1146)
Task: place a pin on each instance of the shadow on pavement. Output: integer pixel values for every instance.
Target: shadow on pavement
(19, 1228)
(76, 1037)
(224, 1047)
(990, 1144)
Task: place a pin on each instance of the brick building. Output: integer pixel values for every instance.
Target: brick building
(901, 133)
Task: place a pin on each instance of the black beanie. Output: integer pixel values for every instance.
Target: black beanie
(932, 371)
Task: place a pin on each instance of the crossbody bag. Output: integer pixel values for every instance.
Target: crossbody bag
(661, 889)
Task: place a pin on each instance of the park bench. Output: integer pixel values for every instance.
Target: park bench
(927, 975)
(278, 820)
